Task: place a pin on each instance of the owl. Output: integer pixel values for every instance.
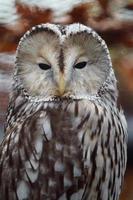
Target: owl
(66, 135)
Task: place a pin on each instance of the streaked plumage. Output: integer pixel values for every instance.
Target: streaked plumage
(65, 135)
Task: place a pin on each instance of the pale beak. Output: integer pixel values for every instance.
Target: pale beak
(61, 84)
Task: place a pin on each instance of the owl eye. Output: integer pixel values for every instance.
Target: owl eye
(80, 65)
(44, 66)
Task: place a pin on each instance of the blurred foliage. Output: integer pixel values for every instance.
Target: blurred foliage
(112, 25)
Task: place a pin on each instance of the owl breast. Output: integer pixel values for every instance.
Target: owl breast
(60, 166)
(63, 150)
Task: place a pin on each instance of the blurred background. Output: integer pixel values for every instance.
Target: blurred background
(113, 20)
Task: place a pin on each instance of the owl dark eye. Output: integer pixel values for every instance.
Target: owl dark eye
(44, 66)
(80, 65)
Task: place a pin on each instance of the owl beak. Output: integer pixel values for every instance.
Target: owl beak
(61, 84)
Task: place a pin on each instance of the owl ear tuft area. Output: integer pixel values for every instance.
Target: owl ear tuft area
(43, 37)
(95, 47)
(48, 29)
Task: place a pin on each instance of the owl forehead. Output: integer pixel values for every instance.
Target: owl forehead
(51, 39)
(63, 33)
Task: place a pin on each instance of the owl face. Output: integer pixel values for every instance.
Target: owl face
(61, 61)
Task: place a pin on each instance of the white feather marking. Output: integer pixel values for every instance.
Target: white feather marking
(87, 161)
(63, 197)
(27, 33)
(51, 183)
(77, 195)
(39, 145)
(94, 34)
(22, 190)
(105, 193)
(28, 165)
(80, 135)
(73, 149)
(18, 101)
(77, 121)
(67, 182)
(27, 109)
(103, 42)
(16, 138)
(59, 146)
(75, 28)
(32, 163)
(59, 166)
(33, 175)
(99, 159)
(33, 28)
(76, 171)
(47, 128)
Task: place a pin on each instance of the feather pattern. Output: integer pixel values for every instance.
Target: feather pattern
(67, 148)
(64, 148)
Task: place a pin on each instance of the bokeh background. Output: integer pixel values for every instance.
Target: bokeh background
(113, 20)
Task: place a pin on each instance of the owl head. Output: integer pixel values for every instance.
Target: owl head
(62, 61)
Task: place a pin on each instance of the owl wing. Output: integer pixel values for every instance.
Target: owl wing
(105, 143)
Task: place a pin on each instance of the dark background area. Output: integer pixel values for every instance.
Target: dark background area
(113, 20)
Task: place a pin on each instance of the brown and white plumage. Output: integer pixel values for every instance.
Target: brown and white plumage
(65, 134)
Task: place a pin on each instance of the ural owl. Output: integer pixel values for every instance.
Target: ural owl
(65, 134)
